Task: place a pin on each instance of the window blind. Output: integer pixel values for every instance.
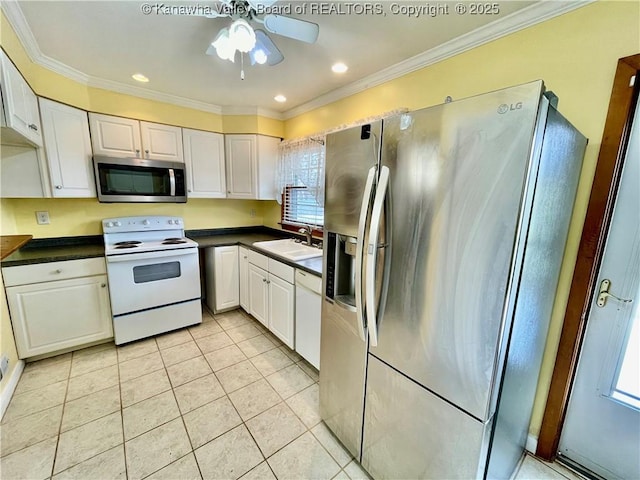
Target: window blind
(301, 178)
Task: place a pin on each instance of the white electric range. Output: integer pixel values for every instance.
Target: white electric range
(154, 276)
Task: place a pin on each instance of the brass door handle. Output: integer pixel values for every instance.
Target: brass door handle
(603, 294)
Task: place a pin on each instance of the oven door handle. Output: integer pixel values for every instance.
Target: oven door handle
(165, 254)
(172, 182)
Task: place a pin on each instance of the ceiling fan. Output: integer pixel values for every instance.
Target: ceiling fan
(241, 36)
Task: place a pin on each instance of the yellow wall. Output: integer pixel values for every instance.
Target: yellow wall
(83, 216)
(575, 54)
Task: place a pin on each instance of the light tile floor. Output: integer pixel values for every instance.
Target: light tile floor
(224, 399)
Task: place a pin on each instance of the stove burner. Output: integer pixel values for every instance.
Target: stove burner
(126, 245)
(173, 241)
(128, 242)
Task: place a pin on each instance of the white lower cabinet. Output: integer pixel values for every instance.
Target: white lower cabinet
(223, 291)
(50, 315)
(281, 309)
(271, 298)
(259, 294)
(243, 261)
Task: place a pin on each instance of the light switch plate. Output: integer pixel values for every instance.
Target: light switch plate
(42, 218)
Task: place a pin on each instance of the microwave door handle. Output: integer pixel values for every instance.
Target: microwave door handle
(172, 182)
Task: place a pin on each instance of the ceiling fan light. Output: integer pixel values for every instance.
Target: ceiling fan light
(259, 56)
(242, 36)
(224, 46)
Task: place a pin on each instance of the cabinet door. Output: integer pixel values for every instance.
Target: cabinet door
(161, 142)
(267, 167)
(204, 159)
(243, 253)
(115, 136)
(52, 316)
(68, 149)
(258, 294)
(18, 103)
(281, 309)
(226, 277)
(241, 158)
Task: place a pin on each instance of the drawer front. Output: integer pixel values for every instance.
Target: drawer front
(281, 270)
(309, 281)
(51, 271)
(258, 260)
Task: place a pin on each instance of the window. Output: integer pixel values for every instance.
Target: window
(301, 181)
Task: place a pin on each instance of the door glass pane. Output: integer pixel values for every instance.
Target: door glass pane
(627, 386)
(155, 272)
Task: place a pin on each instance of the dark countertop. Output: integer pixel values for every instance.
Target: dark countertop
(43, 250)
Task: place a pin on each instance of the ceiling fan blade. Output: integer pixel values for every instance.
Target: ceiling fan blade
(274, 56)
(292, 28)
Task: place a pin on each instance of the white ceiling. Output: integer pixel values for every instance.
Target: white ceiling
(107, 41)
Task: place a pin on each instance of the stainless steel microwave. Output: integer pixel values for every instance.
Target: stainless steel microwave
(139, 180)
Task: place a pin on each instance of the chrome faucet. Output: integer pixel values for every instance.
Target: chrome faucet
(306, 230)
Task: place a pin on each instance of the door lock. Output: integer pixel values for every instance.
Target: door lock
(604, 294)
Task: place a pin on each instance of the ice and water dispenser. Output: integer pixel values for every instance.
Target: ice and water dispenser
(341, 270)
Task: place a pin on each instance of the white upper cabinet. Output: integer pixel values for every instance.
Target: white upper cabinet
(241, 157)
(68, 149)
(204, 159)
(124, 137)
(115, 136)
(267, 165)
(251, 165)
(161, 142)
(20, 104)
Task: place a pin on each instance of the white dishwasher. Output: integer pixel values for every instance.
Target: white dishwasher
(308, 308)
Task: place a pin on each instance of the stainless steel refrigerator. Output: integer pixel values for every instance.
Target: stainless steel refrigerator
(445, 229)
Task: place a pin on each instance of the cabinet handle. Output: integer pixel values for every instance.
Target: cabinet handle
(268, 282)
(103, 285)
(264, 280)
(57, 271)
(33, 126)
(146, 152)
(137, 152)
(58, 187)
(244, 256)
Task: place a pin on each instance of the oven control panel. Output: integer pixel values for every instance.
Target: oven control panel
(139, 224)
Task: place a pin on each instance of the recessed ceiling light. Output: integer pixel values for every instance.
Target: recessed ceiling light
(140, 77)
(339, 67)
(280, 98)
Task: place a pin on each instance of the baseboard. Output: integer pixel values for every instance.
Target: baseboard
(7, 392)
(532, 444)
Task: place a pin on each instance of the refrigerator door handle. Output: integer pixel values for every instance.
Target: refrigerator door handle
(359, 259)
(372, 254)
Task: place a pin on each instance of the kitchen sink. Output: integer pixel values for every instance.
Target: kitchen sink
(289, 248)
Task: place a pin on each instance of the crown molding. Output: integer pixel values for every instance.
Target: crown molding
(521, 19)
(536, 13)
(16, 18)
(262, 112)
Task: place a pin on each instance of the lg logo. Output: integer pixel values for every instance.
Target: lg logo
(504, 108)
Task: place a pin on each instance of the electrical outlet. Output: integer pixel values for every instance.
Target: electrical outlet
(42, 218)
(252, 212)
(4, 366)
